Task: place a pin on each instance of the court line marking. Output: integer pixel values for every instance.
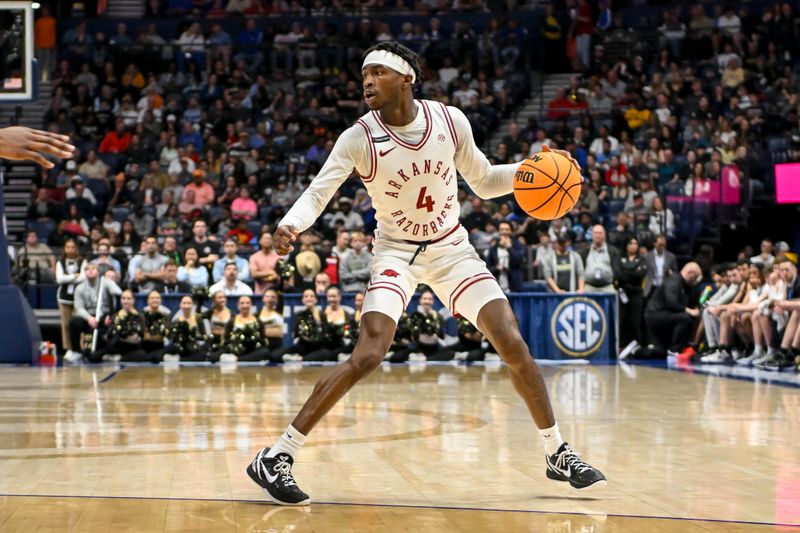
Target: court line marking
(412, 506)
(112, 375)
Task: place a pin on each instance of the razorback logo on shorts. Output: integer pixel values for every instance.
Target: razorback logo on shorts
(390, 273)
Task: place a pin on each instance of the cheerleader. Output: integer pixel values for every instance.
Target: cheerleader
(427, 331)
(273, 320)
(470, 342)
(125, 335)
(338, 325)
(243, 335)
(156, 319)
(400, 349)
(272, 325)
(309, 334)
(186, 334)
(69, 270)
(354, 324)
(216, 321)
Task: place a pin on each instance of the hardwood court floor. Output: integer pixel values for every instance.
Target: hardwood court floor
(421, 448)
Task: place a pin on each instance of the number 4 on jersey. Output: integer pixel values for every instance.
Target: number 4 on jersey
(425, 202)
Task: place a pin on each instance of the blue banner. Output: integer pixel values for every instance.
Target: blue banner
(555, 326)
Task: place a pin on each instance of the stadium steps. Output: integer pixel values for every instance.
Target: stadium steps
(125, 9)
(32, 113)
(19, 184)
(532, 107)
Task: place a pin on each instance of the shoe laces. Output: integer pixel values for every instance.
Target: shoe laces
(284, 468)
(571, 459)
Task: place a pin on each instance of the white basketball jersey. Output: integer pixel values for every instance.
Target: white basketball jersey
(413, 186)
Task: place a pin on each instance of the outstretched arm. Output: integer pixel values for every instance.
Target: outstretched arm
(349, 153)
(485, 179)
(24, 144)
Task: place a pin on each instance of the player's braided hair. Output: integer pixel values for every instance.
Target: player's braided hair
(398, 49)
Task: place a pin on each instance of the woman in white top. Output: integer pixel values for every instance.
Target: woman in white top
(69, 272)
(662, 221)
(192, 272)
(170, 152)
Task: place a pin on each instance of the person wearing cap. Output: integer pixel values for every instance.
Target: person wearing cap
(203, 191)
(563, 269)
(349, 219)
(781, 249)
(68, 174)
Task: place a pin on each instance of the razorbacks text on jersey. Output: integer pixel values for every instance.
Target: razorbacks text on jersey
(413, 186)
(409, 171)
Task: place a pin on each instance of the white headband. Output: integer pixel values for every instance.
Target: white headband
(393, 61)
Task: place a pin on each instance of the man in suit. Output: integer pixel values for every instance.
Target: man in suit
(670, 314)
(505, 259)
(601, 263)
(660, 263)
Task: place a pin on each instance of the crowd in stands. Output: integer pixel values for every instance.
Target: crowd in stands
(192, 146)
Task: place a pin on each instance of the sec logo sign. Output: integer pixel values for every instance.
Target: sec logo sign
(578, 326)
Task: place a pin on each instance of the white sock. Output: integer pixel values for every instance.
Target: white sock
(289, 443)
(552, 439)
(758, 352)
(770, 350)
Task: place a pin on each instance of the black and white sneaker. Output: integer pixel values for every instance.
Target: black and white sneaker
(779, 360)
(274, 475)
(566, 465)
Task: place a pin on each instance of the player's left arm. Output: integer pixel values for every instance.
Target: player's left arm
(485, 179)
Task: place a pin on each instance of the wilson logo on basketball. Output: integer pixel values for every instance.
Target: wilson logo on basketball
(525, 176)
(441, 138)
(390, 273)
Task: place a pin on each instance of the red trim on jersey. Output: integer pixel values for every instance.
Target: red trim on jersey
(450, 125)
(394, 287)
(373, 166)
(401, 142)
(434, 241)
(463, 281)
(483, 277)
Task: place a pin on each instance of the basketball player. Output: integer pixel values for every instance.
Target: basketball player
(407, 153)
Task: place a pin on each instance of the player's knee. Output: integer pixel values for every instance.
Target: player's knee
(363, 363)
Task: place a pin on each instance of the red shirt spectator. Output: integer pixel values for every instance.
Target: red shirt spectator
(117, 141)
(614, 171)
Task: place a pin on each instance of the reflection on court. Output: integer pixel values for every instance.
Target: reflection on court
(413, 447)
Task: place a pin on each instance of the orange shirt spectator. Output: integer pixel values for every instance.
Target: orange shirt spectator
(44, 32)
(203, 192)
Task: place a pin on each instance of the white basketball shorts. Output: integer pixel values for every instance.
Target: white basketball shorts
(451, 267)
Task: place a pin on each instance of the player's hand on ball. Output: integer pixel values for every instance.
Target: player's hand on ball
(284, 237)
(25, 144)
(566, 154)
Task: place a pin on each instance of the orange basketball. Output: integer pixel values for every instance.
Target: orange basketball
(547, 185)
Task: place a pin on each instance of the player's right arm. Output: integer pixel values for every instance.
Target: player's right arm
(349, 152)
